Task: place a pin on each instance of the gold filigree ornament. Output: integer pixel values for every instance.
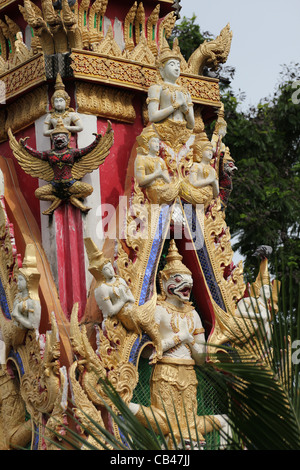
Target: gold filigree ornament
(30, 374)
(174, 133)
(85, 412)
(221, 254)
(109, 362)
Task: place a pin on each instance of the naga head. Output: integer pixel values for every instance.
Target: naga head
(229, 163)
(229, 168)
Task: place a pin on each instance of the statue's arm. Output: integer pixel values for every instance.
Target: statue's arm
(79, 153)
(35, 153)
(197, 346)
(27, 317)
(76, 123)
(169, 339)
(126, 292)
(47, 126)
(216, 188)
(142, 178)
(165, 173)
(253, 308)
(193, 176)
(199, 181)
(105, 304)
(189, 113)
(156, 114)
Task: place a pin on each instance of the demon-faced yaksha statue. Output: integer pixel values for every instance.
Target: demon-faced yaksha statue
(173, 380)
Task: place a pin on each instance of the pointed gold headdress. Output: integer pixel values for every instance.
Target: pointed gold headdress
(144, 138)
(263, 278)
(221, 120)
(166, 53)
(174, 263)
(200, 143)
(227, 156)
(30, 272)
(96, 259)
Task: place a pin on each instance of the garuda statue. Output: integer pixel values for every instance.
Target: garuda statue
(62, 167)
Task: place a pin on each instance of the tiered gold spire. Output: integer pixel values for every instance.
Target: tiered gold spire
(174, 263)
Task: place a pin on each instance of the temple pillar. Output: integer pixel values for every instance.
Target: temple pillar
(64, 231)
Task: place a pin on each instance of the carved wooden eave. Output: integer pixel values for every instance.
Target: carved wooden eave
(6, 3)
(128, 74)
(24, 76)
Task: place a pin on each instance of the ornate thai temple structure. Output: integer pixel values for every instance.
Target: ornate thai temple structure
(115, 256)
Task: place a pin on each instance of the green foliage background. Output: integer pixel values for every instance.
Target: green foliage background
(264, 141)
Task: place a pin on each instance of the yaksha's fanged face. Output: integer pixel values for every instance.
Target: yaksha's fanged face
(60, 141)
(178, 285)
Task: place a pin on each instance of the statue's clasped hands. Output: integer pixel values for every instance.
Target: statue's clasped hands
(185, 336)
(180, 102)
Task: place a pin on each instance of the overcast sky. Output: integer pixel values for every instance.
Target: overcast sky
(266, 34)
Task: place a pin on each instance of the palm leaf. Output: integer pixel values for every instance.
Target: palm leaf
(261, 398)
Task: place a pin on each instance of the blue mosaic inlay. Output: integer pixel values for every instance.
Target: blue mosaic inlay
(158, 240)
(17, 358)
(35, 443)
(202, 254)
(135, 350)
(123, 438)
(3, 302)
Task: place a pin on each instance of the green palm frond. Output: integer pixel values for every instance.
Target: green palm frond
(261, 396)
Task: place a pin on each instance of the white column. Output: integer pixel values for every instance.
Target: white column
(47, 223)
(92, 222)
